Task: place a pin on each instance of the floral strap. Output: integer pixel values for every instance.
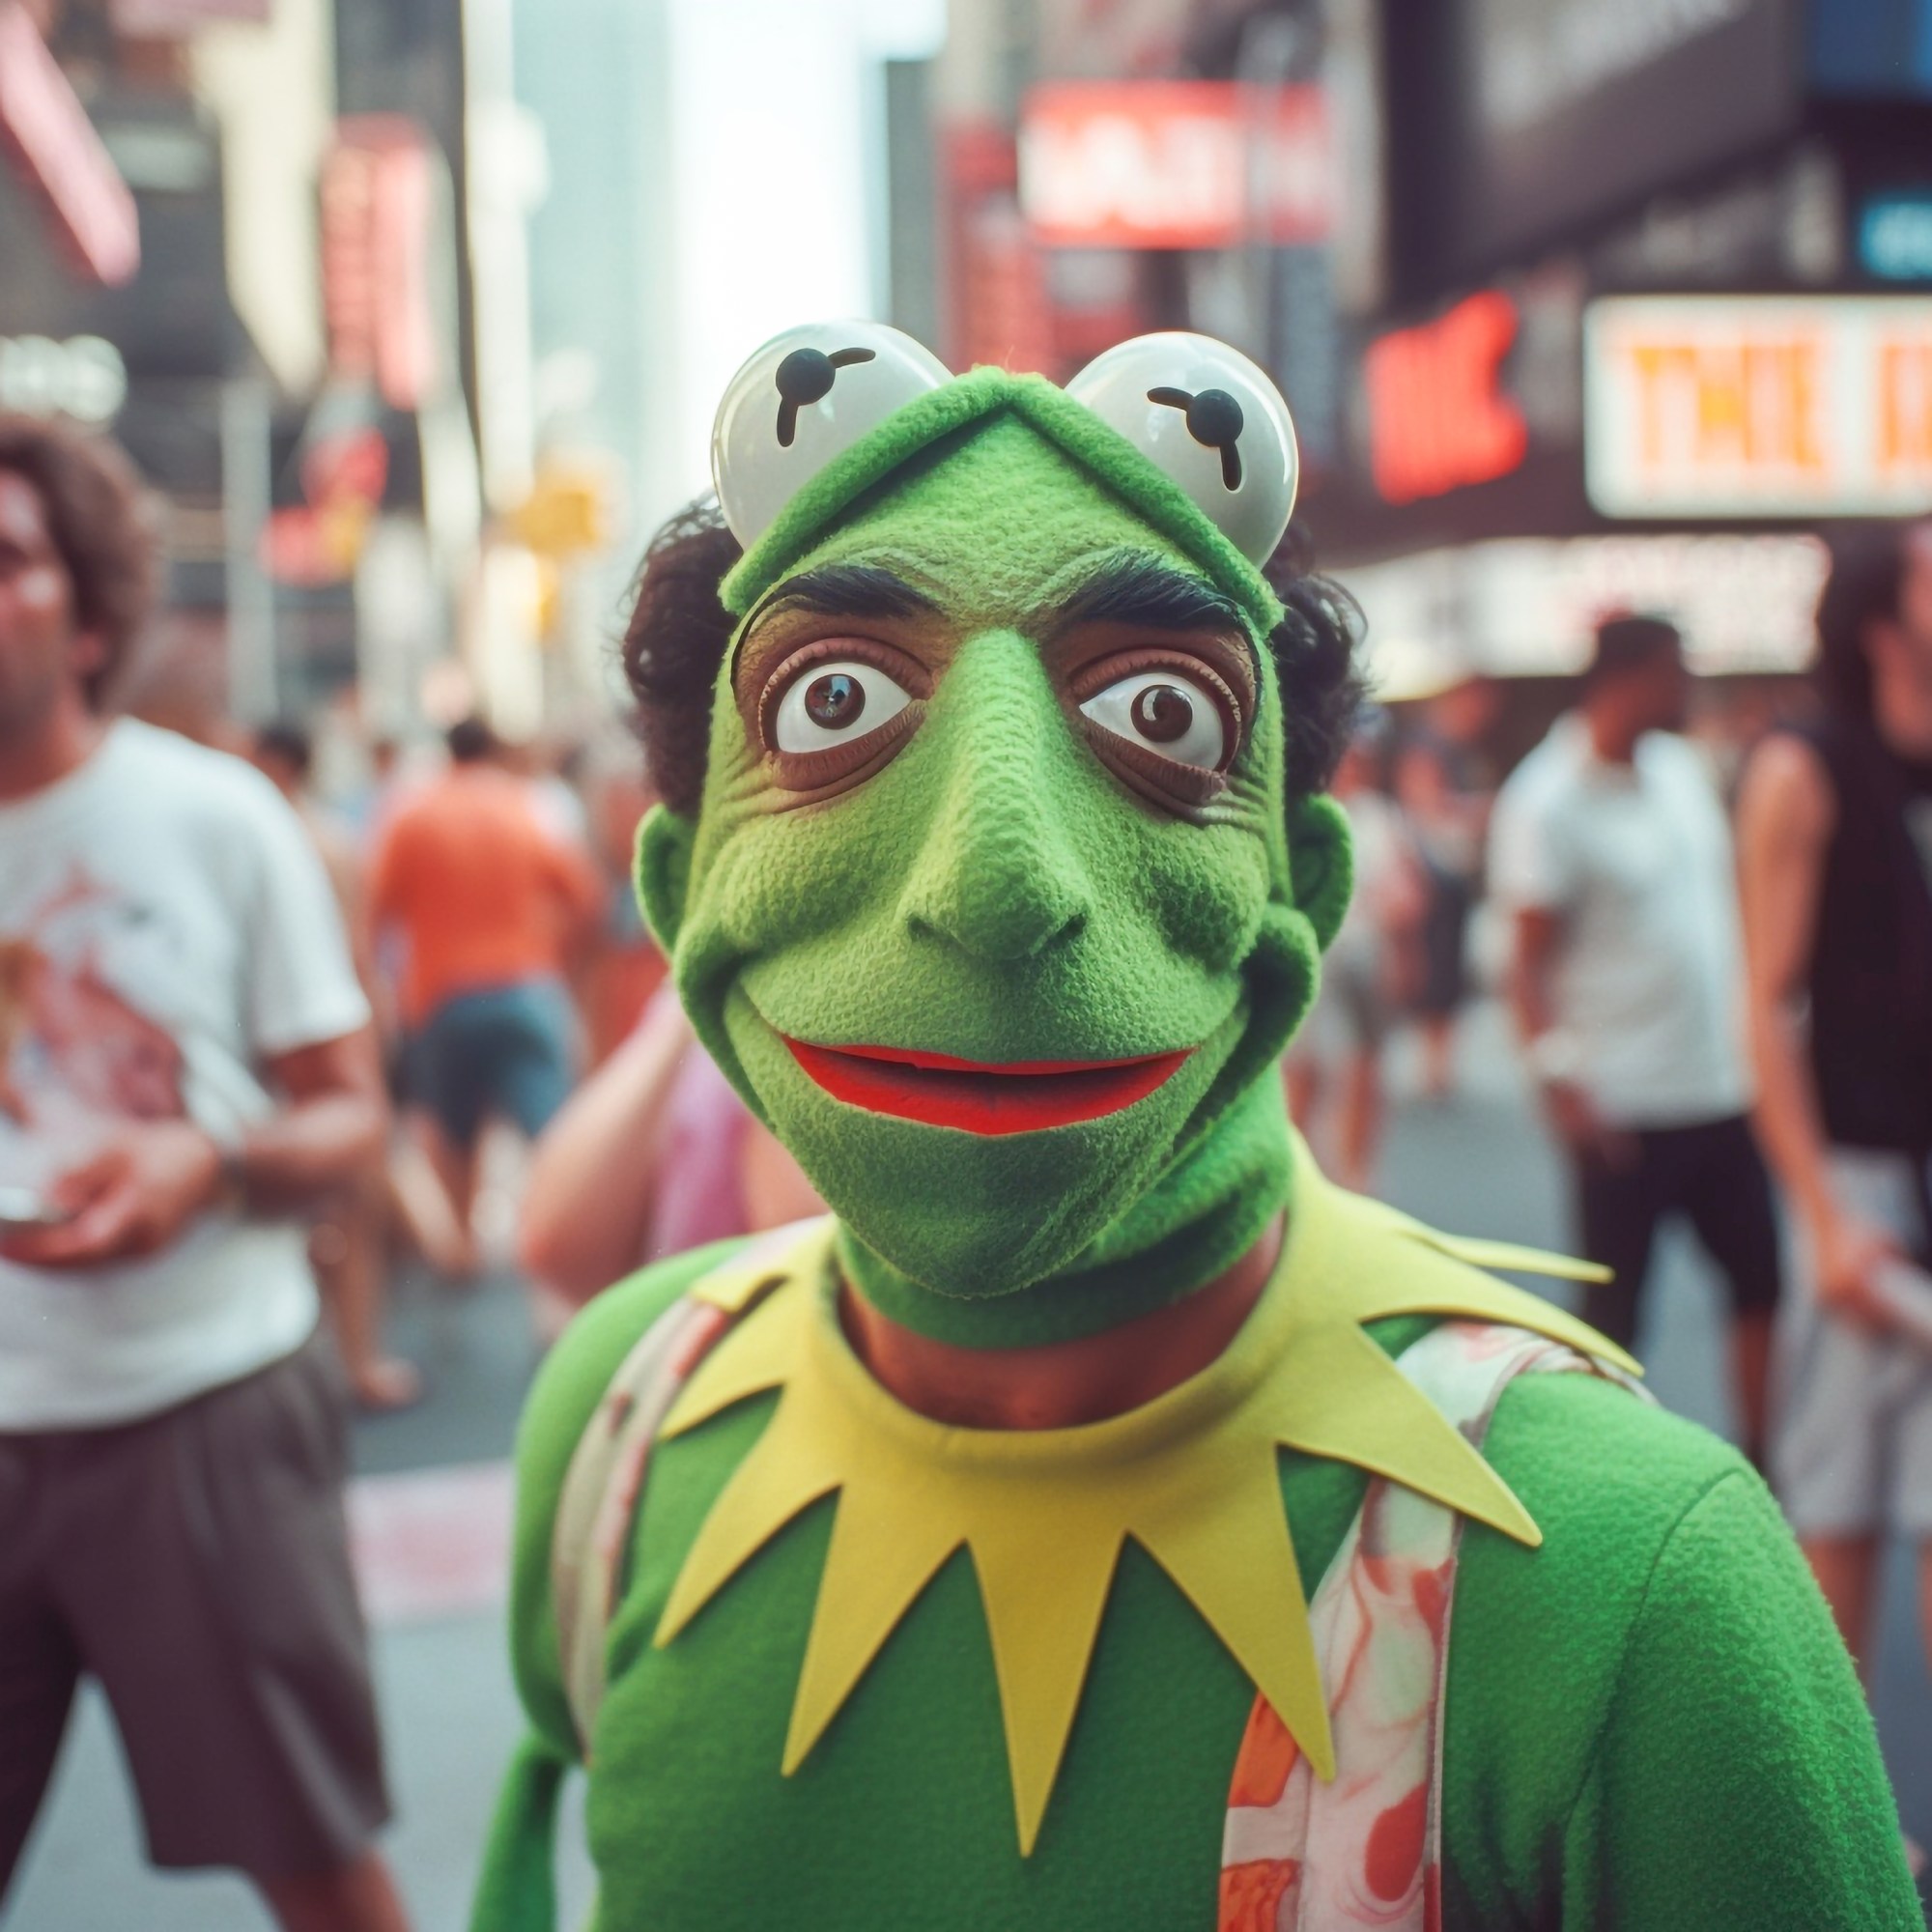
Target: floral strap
(605, 1477)
(1366, 1849)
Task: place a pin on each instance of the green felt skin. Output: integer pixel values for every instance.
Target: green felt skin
(1653, 1725)
(996, 893)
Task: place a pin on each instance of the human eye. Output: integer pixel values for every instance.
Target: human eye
(1167, 713)
(834, 711)
(831, 704)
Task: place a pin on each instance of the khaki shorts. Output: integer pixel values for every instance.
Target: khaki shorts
(1851, 1450)
(196, 1563)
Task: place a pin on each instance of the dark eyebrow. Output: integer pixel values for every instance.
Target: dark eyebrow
(1144, 591)
(850, 591)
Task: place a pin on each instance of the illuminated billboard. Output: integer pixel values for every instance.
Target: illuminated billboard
(1175, 164)
(1758, 406)
(1439, 415)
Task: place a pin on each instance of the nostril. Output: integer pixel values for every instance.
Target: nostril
(991, 937)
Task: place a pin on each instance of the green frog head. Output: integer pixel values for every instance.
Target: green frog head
(1005, 883)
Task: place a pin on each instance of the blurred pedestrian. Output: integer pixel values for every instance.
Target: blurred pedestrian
(489, 905)
(348, 1242)
(654, 1154)
(1610, 850)
(1441, 784)
(383, 785)
(1369, 967)
(625, 968)
(1836, 839)
(188, 1065)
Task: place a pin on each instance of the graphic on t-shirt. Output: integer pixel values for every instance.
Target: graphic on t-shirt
(73, 1041)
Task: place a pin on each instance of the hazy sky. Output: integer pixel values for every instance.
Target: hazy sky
(778, 137)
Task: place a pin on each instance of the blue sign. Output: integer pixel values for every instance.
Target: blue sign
(1873, 48)
(1895, 236)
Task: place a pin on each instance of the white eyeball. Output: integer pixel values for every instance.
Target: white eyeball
(1208, 417)
(805, 397)
(1165, 712)
(835, 704)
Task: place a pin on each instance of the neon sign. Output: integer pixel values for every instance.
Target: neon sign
(1769, 405)
(1438, 418)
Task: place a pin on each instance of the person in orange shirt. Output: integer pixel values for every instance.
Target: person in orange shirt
(488, 904)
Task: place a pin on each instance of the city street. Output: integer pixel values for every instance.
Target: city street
(487, 491)
(431, 1512)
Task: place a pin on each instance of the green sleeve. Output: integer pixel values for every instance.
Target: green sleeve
(565, 1396)
(1736, 1780)
(515, 1892)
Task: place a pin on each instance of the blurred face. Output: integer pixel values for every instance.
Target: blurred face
(286, 779)
(43, 657)
(1659, 694)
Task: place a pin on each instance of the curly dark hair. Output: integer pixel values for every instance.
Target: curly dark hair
(98, 516)
(678, 631)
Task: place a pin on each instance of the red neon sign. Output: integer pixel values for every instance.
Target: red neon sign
(1175, 164)
(1438, 419)
(378, 210)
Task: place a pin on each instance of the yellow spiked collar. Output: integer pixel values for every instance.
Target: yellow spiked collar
(1191, 1476)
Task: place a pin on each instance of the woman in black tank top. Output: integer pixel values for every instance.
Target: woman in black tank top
(1870, 980)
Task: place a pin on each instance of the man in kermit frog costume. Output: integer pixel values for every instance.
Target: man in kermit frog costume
(1065, 1533)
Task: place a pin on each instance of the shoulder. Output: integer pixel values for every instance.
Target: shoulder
(1545, 775)
(420, 804)
(1658, 1687)
(1614, 1485)
(1603, 1461)
(1638, 1509)
(219, 803)
(188, 775)
(1683, 777)
(1789, 788)
(1682, 759)
(578, 1369)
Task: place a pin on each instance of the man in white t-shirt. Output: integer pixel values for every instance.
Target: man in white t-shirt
(1610, 849)
(186, 1062)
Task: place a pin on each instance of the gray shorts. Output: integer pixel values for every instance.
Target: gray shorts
(196, 1563)
(1851, 1450)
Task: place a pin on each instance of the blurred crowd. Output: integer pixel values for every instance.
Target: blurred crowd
(486, 889)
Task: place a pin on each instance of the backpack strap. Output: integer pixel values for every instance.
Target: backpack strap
(599, 1499)
(1366, 1849)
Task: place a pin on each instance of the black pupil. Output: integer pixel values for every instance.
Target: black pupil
(834, 701)
(1163, 712)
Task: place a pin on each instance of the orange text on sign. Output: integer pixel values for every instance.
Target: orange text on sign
(1904, 424)
(1730, 406)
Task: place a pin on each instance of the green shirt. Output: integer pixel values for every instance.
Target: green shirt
(1651, 1722)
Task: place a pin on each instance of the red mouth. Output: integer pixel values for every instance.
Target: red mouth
(1019, 1097)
